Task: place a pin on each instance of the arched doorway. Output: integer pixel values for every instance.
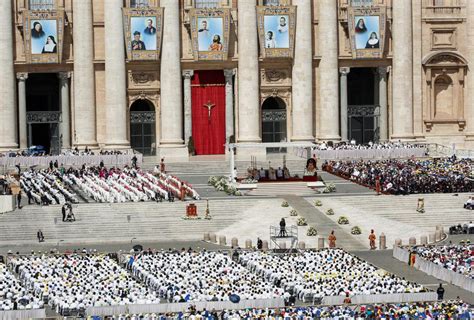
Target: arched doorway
(274, 122)
(142, 127)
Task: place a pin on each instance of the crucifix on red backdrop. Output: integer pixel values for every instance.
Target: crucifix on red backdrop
(209, 107)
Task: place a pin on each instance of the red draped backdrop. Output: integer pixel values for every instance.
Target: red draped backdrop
(208, 87)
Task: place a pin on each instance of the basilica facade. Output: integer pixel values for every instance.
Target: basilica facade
(167, 77)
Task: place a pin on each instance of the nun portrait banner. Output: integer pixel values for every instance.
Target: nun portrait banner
(43, 36)
(276, 30)
(210, 33)
(143, 33)
(367, 32)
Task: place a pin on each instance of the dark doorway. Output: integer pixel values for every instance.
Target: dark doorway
(363, 110)
(142, 127)
(274, 122)
(43, 111)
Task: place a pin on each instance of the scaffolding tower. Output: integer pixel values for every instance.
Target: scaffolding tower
(278, 237)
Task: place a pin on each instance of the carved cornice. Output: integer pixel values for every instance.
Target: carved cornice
(151, 95)
(137, 77)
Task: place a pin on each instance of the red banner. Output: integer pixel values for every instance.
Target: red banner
(208, 111)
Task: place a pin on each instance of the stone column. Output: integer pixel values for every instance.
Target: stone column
(328, 77)
(229, 103)
(248, 73)
(402, 70)
(344, 116)
(383, 120)
(8, 118)
(22, 109)
(302, 75)
(188, 123)
(65, 128)
(469, 103)
(171, 88)
(115, 82)
(84, 84)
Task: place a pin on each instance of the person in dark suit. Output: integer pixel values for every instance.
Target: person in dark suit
(18, 199)
(30, 196)
(40, 236)
(63, 210)
(282, 228)
(137, 44)
(150, 29)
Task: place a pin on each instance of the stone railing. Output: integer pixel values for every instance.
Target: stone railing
(444, 9)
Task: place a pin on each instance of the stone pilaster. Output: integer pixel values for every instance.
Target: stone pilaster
(248, 73)
(469, 103)
(402, 70)
(23, 135)
(188, 123)
(115, 81)
(383, 120)
(343, 89)
(8, 119)
(84, 79)
(302, 76)
(65, 127)
(229, 103)
(328, 71)
(171, 88)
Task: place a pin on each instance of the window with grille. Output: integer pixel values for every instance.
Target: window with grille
(271, 2)
(41, 4)
(200, 4)
(361, 3)
(139, 3)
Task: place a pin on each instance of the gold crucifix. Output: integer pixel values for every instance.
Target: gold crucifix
(209, 107)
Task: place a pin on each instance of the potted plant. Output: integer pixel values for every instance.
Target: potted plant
(343, 220)
(293, 213)
(312, 232)
(318, 203)
(330, 212)
(301, 222)
(356, 230)
(285, 204)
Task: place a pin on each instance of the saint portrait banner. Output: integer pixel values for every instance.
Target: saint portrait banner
(367, 31)
(143, 30)
(210, 33)
(43, 36)
(276, 30)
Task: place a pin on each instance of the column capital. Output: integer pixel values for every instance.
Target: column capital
(344, 71)
(63, 76)
(383, 70)
(187, 74)
(22, 76)
(228, 73)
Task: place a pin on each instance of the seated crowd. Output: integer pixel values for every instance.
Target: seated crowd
(315, 274)
(456, 309)
(56, 185)
(13, 296)
(369, 146)
(46, 187)
(65, 152)
(457, 258)
(71, 283)
(408, 176)
(205, 276)
(466, 228)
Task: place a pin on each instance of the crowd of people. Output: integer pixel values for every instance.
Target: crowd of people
(71, 283)
(333, 272)
(352, 145)
(458, 258)
(41, 152)
(13, 296)
(205, 276)
(46, 187)
(455, 309)
(56, 185)
(408, 176)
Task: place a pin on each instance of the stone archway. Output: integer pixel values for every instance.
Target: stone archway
(274, 116)
(142, 127)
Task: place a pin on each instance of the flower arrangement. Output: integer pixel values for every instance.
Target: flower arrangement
(191, 218)
(343, 220)
(356, 230)
(330, 212)
(420, 210)
(248, 181)
(293, 213)
(301, 222)
(221, 183)
(331, 187)
(318, 203)
(285, 204)
(312, 232)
